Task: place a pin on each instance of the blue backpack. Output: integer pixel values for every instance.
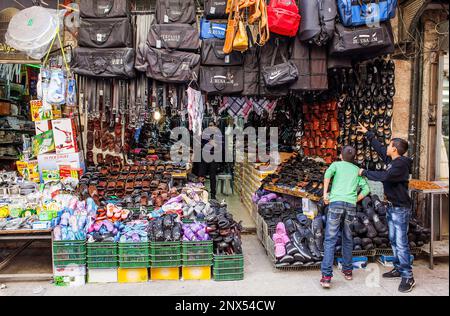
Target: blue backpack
(366, 12)
(209, 30)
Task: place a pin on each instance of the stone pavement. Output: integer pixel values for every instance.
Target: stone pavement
(260, 280)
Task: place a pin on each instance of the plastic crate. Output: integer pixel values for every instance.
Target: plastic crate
(198, 253)
(165, 254)
(134, 255)
(67, 253)
(103, 255)
(228, 268)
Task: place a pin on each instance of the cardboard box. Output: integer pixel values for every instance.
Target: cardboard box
(103, 276)
(39, 112)
(65, 135)
(165, 274)
(132, 275)
(28, 170)
(43, 143)
(196, 273)
(54, 161)
(42, 126)
(70, 276)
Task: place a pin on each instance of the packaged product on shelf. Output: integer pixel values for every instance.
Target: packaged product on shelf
(39, 112)
(54, 161)
(42, 126)
(28, 170)
(43, 143)
(65, 135)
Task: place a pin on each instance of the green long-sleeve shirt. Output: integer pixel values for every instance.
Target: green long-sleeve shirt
(346, 182)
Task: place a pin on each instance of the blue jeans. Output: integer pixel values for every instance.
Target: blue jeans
(340, 216)
(398, 220)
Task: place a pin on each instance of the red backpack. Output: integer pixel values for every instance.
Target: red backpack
(284, 17)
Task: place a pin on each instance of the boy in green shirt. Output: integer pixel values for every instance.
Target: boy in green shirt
(342, 211)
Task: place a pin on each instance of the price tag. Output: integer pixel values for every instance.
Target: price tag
(227, 59)
(99, 38)
(213, 10)
(158, 44)
(166, 19)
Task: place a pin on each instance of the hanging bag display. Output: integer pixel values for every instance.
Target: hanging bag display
(104, 63)
(222, 80)
(241, 42)
(175, 11)
(209, 29)
(366, 12)
(362, 41)
(104, 8)
(280, 74)
(311, 62)
(105, 33)
(171, 66)
(318, 21)
(232, 26)
(174, 36)
(212, 54)
(216, 9)
(251, 72)
(284, 18)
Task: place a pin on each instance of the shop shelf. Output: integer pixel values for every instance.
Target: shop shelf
(228, 268)
(134, 255)
(67, 253)
(197, 253)
(165, 254)
(389, 252)
(103, 255)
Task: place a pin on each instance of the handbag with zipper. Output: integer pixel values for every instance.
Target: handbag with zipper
(174, 36)
(105, 33)
(216, 9)
(175, 11)
(222, 80)
(209, 29)
(212, 54)
(281, 74)
(104, 8)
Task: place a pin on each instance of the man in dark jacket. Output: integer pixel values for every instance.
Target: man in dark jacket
(396, 188)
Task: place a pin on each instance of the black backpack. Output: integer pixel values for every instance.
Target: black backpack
(318, 21)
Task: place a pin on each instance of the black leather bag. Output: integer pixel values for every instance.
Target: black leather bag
(216, 9)
(170, 66)
(174, 36)
(280, 74)
(175, 11)
(104, 8)
(251, 72)
(104, 63)
(105, 33)
(311, 61)
(222, 80)
(213, 55)
(363, 41)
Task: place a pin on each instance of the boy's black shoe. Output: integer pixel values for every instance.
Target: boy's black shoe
(407, 285)
(394, 274)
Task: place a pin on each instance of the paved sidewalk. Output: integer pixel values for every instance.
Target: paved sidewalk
(260, 279)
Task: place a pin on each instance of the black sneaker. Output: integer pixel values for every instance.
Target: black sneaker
(407, 285)
(394, 274)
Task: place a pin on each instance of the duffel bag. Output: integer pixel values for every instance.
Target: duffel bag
(318, 21)
(213, 55)
(175, 11)
(174, 36)
(361, 41)
(216, 9)
(366, 12)
(104, 8)
(251, 72)
(105, 33)
(311, 61)
(222, 80)
(171, 66)
(104, 63)
(283, 17)
(210, 29)
(265, 59)
(280, 74)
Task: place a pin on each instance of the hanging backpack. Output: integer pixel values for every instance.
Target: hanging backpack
(366, 12)
(284, 17)
(318, 21)
(175, 11)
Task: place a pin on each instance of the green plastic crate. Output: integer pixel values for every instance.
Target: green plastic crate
(103, 255)
(134, 255)
(197, 253)
(165, 254)
(228, 268)
(67, 253)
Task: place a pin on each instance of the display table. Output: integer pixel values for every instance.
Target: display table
(437, 248)
(28, 236)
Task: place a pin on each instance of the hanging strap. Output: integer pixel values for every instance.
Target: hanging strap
(63, 53)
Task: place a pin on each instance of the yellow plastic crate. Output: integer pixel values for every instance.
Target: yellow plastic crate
(165, 274)
(197, 273)
(139, 275)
